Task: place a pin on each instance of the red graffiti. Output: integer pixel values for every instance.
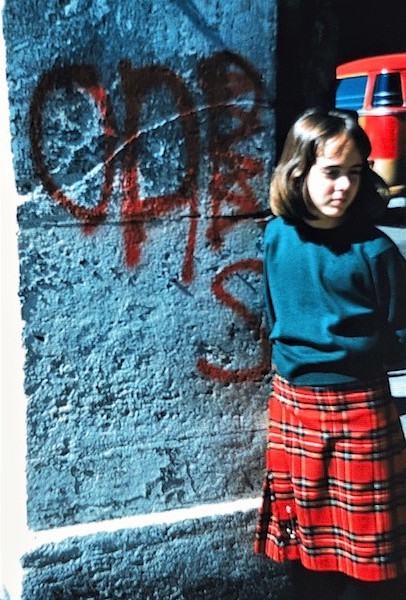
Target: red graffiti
(234, 95)
(227, 80)
(135, 210)
(253, 373)
(85, 77)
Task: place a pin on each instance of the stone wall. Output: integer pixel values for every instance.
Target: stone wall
(143, 141)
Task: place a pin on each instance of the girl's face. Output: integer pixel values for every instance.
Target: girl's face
(333, 181)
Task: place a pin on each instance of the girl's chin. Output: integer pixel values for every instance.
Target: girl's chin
(334, 214)
(338, 206)
(334, 211)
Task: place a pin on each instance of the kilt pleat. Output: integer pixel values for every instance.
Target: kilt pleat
(334, 493)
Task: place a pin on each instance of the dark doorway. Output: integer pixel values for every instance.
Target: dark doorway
(369, 27)
(314, 36)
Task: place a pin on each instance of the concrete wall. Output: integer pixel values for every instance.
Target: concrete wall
(143, 139)
(190, 560)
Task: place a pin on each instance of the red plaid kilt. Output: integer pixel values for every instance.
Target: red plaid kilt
(334, 495)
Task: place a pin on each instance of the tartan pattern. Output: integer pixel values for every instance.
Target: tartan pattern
(334, 495)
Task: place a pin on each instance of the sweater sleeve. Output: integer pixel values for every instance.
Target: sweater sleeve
(269, 309)
(390, 283)
(267, 259)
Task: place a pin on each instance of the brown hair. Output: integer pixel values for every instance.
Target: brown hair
(308, 135)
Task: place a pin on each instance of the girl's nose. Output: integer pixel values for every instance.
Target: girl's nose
(343, 182)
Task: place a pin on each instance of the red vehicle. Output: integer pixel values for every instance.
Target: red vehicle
(375, 87)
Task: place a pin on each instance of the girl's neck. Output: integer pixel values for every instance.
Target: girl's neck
(325, 223)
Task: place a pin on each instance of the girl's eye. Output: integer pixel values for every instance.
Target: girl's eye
(332, 173)
(336, 173)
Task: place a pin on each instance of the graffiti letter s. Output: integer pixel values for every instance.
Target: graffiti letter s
(241, 375)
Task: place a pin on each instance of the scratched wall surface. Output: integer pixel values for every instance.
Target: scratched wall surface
(142, 137)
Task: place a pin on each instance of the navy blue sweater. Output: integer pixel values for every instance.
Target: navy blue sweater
(335, 301)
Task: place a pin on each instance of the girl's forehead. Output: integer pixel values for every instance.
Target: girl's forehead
(339, 148)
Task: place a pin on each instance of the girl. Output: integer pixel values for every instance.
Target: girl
(334, 498)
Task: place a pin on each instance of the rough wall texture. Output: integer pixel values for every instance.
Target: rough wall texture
(143, 139)
(193, 561)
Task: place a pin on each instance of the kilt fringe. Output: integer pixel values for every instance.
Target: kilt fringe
(334, 494)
